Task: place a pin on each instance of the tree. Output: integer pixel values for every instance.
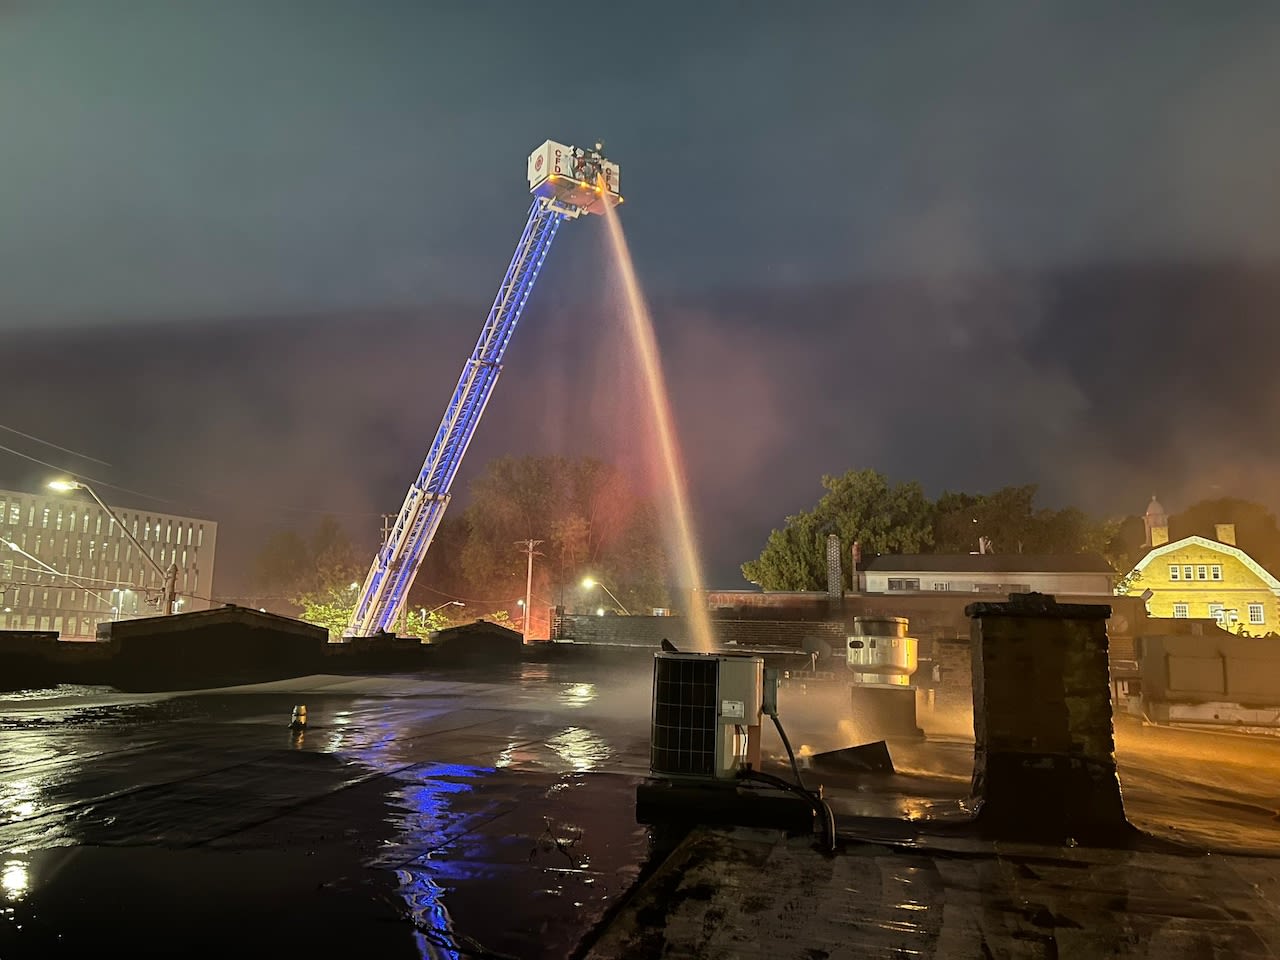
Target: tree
(588, 515)
(1007, 518)
(1124, 545)
(861, 506)
(321, 574)
(313, 573)
(1256, 531)
(281, 565)
(440, 576)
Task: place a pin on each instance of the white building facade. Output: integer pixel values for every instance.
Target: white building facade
(66, 565)
(989, 573)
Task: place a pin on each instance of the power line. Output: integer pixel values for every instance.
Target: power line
(441, 593)
(82, 476)
(265, 508)
(48, 443)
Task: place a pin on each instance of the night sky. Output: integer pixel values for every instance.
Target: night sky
(245, 246)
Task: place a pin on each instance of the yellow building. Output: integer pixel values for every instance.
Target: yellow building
(1199, 578)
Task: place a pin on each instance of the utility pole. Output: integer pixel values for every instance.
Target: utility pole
(170, 589)
(530, 547)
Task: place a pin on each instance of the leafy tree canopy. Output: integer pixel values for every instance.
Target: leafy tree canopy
(589, 516)
(1010, 523)
(860, 505)
(863, 506)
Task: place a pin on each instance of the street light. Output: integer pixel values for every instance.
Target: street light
(450, 603)
(589, 583)
(169, 578)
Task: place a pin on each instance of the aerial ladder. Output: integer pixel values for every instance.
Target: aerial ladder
(566, 182)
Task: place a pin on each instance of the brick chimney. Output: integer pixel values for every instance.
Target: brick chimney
(1225, 533)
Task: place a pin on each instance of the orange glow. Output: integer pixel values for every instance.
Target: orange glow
(646, 348)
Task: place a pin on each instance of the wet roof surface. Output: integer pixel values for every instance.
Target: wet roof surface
(412, 817)
(438, 816)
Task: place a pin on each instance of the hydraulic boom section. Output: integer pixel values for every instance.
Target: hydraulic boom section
(566, 182)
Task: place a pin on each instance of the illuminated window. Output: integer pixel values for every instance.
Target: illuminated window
(1174, 571)
(1256, 614)
(1215, 572)
(901, 583)
(1180, 611)
(1186, 572)
(941, 586)
(15, 513)
(1217, 612)
(1202, 572)
(44, 519)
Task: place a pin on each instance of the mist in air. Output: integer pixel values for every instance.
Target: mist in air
(250, 290)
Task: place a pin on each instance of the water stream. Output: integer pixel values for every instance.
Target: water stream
(688, 567)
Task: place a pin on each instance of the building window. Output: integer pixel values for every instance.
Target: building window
(1215, 572)
(1217, 612)
(938, 585)
(902, 583)
(1256, 614)
(15, 513)
(1174, 571)
(1180, 611)
(1202, 572)
(1186, 571)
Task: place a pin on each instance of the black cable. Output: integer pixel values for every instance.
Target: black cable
(795, 767)
(819, 806)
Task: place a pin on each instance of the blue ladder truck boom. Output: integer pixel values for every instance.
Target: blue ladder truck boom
(566, 182)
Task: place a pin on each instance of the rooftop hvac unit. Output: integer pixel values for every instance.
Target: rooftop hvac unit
(704, 709)
(880, 652)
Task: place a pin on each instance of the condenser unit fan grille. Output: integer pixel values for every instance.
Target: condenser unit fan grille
(684, 717)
